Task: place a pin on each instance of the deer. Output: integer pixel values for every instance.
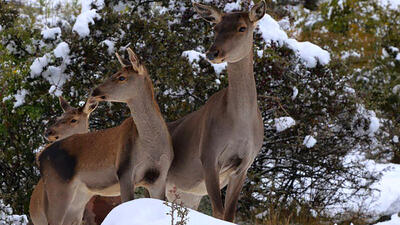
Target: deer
(72, 121)
(215, 145)
(112, 161)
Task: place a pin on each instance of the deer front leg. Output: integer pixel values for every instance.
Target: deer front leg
(60, 196)
(127, 185)
(232, 194)
(213, 189)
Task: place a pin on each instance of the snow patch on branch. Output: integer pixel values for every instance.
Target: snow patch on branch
(87, 17)
(310, 53)
(283, 123)
(194, 56)
(309, 141)
(51, 33)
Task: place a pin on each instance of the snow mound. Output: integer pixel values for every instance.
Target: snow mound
(310, 53)
(394, 220)
(283, 123)
(148, 211)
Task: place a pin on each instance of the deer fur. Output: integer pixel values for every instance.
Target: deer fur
(113, 161)
(72, 121)
(215, 145)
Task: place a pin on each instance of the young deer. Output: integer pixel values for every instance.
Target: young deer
(112, 161)
(72, 121)
(215, 145)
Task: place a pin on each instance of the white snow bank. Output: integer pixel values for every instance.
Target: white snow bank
(51, 33)
(394, 220)
(87, 17)
(194, 56)
(148, 211)
(309, 141)
(284, 123)
(308, 52)
(388, 197)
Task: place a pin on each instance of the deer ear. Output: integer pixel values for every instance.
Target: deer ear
(257, 11)
(208, 13)
(135, 61)
(64, 104)
(120, 59)
(90, 106)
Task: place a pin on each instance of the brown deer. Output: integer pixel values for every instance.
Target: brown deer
(112, 161)
(72, 121)
(215, 145)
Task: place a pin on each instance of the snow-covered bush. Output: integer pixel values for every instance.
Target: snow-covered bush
(71, 51)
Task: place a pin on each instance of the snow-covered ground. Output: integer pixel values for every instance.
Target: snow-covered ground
(148, 211)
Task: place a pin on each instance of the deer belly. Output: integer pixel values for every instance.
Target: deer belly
(102, 182)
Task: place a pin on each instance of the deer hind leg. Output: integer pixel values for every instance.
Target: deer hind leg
(232, 194)
(213, 188)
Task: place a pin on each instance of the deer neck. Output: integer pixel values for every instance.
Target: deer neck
(151, 127)
(242, 92)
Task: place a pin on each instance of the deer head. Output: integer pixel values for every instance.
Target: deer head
(72, 121)
(233, 31)
(129, 82)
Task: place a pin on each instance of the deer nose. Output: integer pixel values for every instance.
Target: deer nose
(211, 55)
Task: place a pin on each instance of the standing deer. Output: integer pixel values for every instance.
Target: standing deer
(72, 121)
(112, 161)
(215, 145)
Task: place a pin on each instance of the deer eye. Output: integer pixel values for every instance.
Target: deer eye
(242, 29)
(73, 121)
(121, 78)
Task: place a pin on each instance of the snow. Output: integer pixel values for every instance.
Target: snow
(87, 16)
(194, 56)
(310, 53)
(394, 220)
(38, 65)
(51, 33)
(284, 123)
(309, 141)
(374, 124)
(392, 4)
(396, 89)
(347, 54)
(62, 50)
(148, 211)
(110, 46)
(395, 139)
(233, 6)
(7, 216)
(295, 93)
(388, 197)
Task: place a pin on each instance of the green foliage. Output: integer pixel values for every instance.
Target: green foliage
(280, 175)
